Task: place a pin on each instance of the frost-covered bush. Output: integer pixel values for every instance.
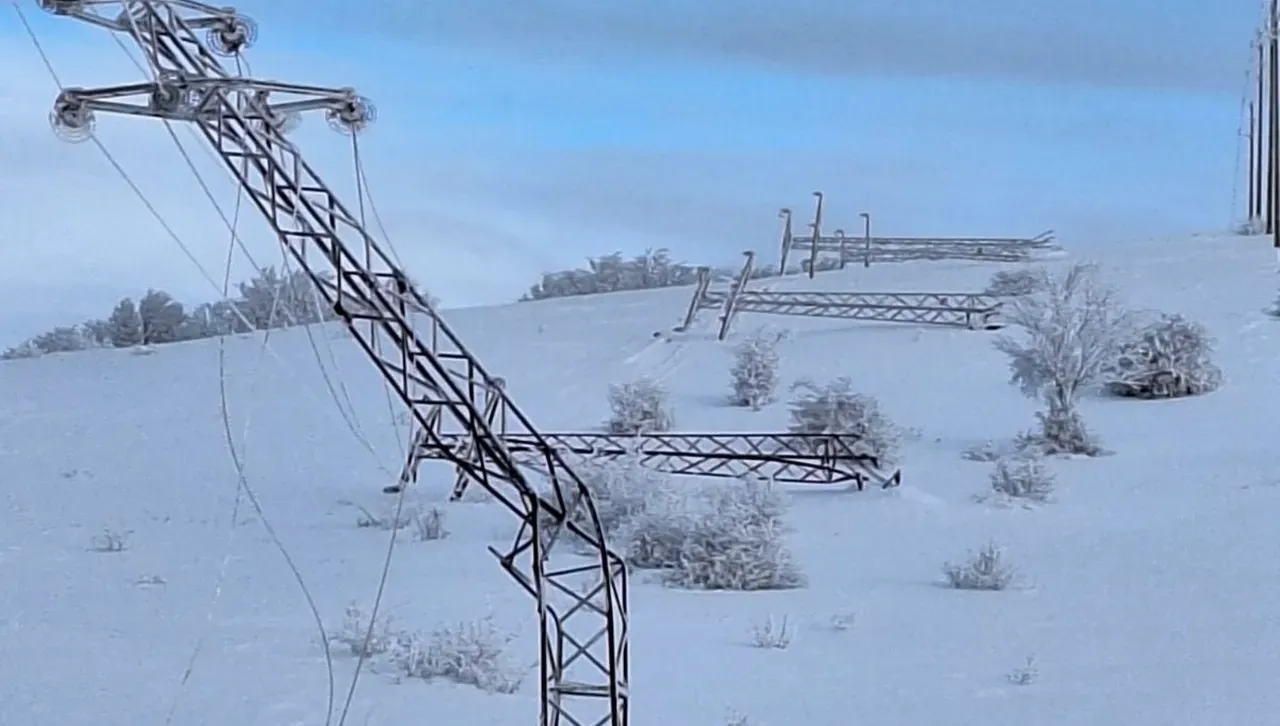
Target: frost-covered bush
(754, 376)
(771, 634)
(738, 542)
(621, 489)
(835, 408)
(429, 525)
(641, 406)
(1059, 431)
(986, 569)
(468, 653)
(1071, 327)
(1014, 283)
(1023, 478)
(1169, 358)
(361, 636)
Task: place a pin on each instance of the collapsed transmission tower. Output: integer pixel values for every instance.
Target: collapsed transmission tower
(584, 636)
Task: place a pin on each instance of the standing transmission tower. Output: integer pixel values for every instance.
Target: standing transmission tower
(584, 636)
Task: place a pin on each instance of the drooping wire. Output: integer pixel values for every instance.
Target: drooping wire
(385, 575)
(348, 412)
(243, 483)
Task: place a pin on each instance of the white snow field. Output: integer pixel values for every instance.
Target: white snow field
(1149, 592)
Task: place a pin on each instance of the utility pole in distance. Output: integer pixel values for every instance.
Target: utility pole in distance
(1273, 126)
(1257, 213)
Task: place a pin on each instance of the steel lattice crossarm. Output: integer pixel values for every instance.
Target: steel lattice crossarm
(789, 458)
(976, 312)
(584, 639)
(832, 243)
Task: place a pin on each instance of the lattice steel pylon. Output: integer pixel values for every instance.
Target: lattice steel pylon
(584, 644)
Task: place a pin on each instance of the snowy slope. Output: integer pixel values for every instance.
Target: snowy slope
(1148, 591)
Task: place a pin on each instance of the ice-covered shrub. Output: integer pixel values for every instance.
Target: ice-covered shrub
(738, 542)
(1071, 328)
(1023, 478)
(1059, 431)
(653, 538)
(621, 489)
(771, 634)
(985, 569)
(640, 406)
(1171, 357)
(468, 653)
(110, 540)
(429, 525)
(990, 451)
(1024, 675)
(393, 519)
(755, 368)
(361, 636)
(1014, 283)
(835, 408)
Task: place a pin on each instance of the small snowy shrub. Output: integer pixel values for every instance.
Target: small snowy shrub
(469, 653)
(1060, 431)
(654, 538)
(738, 543)
(1025, 674)
(368, 520)
(1022, 478)
(110, 540)
(429, 525)
(621, 489)
(990, 451)
(641, 406)
(985, 570)
(755, 368)
(1071, 328)
(771, 634)
(1169, 358)
(836, 409)
(361, 637)
(1013, 283)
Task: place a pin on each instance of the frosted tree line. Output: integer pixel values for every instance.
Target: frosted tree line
(652, 269)
(157, 318)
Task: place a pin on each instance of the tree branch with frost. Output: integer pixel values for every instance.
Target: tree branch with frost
(1070, 329)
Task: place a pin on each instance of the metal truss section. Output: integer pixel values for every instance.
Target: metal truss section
(968, 310)
(788, 458)
(905, 249)
(582, 609)
(975, 312)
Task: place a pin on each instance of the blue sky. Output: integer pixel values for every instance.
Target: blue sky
(521, 136)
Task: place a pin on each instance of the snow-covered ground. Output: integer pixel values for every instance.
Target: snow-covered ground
(1148, 592)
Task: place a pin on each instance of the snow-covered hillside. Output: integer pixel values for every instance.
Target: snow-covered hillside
(1147, 593)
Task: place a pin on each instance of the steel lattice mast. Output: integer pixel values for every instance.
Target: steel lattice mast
(584, 644)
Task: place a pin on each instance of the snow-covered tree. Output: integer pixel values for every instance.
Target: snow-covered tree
(755, 368)
(1171, 357)
(161, 317)
(640, 406)
(1070, 329)
(98, 332)
(835, 408)
(125, 324)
